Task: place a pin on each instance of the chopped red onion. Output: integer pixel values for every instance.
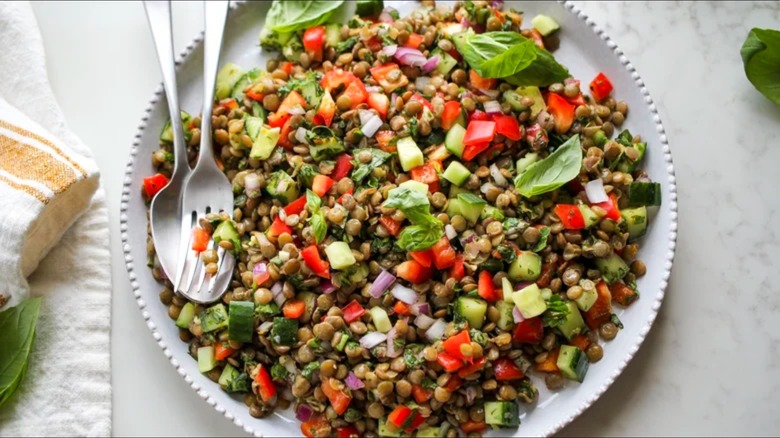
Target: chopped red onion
(497, 3)
(431, 64)
(467, 239)
(279, 297)
(403, 293)
(471, 394)
(421, 82)
(300, 135)
(372, 339)
(492, 93)
(389, 50)
(353, 382)
(492, 107)
(297, 110)
(498, 177)
(327, 286)
(303, 413)
(252, 182)
(449, 230)
(595, 191)
(424, 321)
(523, 284)
(380, 285)
(385, 16)
(465, 22)
(265, 327)
(371, 126)
(409, 56)
(421, 309)
(365, 115)
(516, 315)
(436, 331)
(392, 351)
(260, 268)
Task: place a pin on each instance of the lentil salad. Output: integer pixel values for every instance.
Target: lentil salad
(406, 253)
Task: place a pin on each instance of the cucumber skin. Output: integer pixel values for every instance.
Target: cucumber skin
(573, 363)
(241, 320)
(612, 268)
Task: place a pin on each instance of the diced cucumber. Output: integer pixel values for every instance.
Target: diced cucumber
(246, 79)
(636, 221)
(454, 140)
(573, 325)
(529, 301)
(628, 165)
(214, 318)
(409, 154)
(284, 331)
(472, 309)
(384, 430)
(507, 290)
(641, 193)
(612, 268)
(546, 25)
(426, 431)
(506, 321)
(206, 359)
(368, 8)
(490, 211)
(587, 299)
(259, 111)
(471, 206)
(455, 191)
(514, 100)
(573, 363)
(456, 173)
(310, 299)
(591, 218)
(186, 315)
(229, 374)
(502, 413)
(446, 61)
(415, 186)
(340, 255)
(241, 321)
(332, 35)
(226, 231)
(265, 141)
(526, 267)
(282, 187)
(227, 77)
(167, 133)
(253, 125)
(523, 163)
(381, 320)
(536, 95)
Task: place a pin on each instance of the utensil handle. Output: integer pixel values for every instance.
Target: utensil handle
(158, 13)
(215, 15)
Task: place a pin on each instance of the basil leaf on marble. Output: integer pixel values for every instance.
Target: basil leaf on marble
(17, 332)
(761, 56)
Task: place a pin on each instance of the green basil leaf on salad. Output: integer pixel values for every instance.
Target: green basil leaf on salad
(420, 237)
(313, 202)
(761, 56)
(319, 226)
(426, 229)
(557, 169)
(292, 15)
(17, 333)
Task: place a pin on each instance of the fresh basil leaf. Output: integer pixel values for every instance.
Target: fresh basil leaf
(319, 226)
(420, 237)
(313, 202)
(426, 231)
(413, 204)
(362, 170)
(761, 56)
(544, 234)
(17, 333)
(517, 58)
(294, 15)
(557, 169)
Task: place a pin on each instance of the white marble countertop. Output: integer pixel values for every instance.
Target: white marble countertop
(711, 364)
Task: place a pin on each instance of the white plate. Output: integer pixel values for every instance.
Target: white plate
(585, 50)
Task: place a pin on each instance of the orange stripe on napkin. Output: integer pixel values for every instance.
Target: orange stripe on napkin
(30, 163)
(21, 131)
(26, 189)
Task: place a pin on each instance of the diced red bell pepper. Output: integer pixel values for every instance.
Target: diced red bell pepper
(505, 369)
(294, 308)
(537, 38)
(287, 66)
(380, 74)
(277, 228)
(570, 216)
(580, 341)
(420, 394)
(228, 103)
(417, 421)
(454, 383)
(296, 207)
(562, 111)
(357, 93)
(384, 139)
(623, 294)
(443, 253)
(311, 256)
(424, 257)
(401, 308)
(222, 352)
(261, 278)
(611, 207)
(336, 78)
(257, 97)
(284, 135)
(478, 81)
(479, 115)
(528, 331)
(507, 126)
(321, 185)
(600, 87)
(337, 397)
(154, 183)
(327, 109)
(486, 289)
(282, 114)
(473, 426)
(452, 110)
(374, 44)
(479, 132)
(471, 151)
(452, 344)
(379, 102)
(458, 271)
(414, 41)
(425, 102)
(347, 432)
(314, 41)
(414, 272)
(200, 239)
(265, 386)
(473, 367)
(400, 415)
(348, 192)
(426, 174)
(317, 426)
(393, 227)
(342, 168)
(578, 99)
(449, 362)
(353, 311)
(601, 311)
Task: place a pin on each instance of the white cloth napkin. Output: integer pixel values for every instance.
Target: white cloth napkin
(67, 388)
